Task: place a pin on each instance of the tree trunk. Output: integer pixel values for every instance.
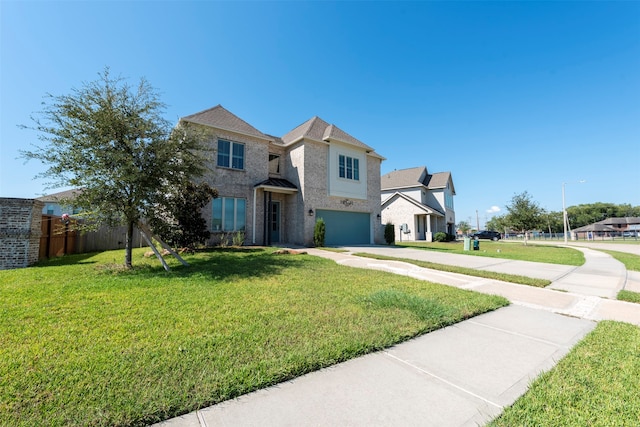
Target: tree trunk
(128, 245)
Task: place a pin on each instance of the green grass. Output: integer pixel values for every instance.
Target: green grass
(596, 384)
(83, 342)
(629, 296)
(630, 261)
(508, 250)
(523, 280)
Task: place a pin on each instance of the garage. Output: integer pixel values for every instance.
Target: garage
(345, 228)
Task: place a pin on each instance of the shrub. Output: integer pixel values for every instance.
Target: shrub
(389, 233)
(440, 237)
(238, 238)
(319, 232)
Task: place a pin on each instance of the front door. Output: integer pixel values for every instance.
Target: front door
(274, 222)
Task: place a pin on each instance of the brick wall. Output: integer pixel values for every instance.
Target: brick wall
(20, 231)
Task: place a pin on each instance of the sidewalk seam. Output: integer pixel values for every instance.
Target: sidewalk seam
(449, 383)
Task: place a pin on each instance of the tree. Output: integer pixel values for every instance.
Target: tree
(524, 214)
(389, 233)
(319, 232)
(464, 227)
(498, 223)
(180, 223)
(110, 140)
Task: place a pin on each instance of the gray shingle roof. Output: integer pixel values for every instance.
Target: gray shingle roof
(438, 180)
(313, 128)
(616, 221)
(319, 130)
(62, 195)
(221, 118)
(403, 178)
(413, 177)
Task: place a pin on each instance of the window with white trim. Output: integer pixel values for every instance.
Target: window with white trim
(229, 214)
(348, 167)
(230, 154)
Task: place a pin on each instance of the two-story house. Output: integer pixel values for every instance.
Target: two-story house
(275, 188)
(420, 201)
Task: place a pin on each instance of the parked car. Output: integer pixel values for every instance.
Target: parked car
(486, 234)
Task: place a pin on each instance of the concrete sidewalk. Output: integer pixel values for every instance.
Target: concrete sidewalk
(462, 375)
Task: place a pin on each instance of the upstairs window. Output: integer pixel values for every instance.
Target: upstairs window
(274, 164)
(348, 167)
(230, 154)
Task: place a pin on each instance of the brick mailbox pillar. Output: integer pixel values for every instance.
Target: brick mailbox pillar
(20, 231)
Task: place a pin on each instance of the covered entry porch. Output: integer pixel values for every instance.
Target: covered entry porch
(271, 195)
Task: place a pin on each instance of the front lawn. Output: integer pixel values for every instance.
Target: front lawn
(513, 278)
(596, 384)
(83, 342)
(507, 250)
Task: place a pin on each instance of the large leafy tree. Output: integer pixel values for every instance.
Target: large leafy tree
(109, 139)
(524, 214)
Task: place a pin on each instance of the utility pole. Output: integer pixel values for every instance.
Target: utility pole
(477, 221)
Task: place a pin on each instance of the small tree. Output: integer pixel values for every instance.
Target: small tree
(389, 233)
(110, 140)
(180, 223)
(524, 214)
(464, 227)
(319, 233)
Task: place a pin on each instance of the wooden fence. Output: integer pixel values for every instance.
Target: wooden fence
(60, 239)
(57, 238)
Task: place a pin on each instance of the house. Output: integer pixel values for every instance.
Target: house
(418, 203)
(627, 226)
(275, 188)
(53, 203)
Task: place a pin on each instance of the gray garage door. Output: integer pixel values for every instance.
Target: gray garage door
(345, 228)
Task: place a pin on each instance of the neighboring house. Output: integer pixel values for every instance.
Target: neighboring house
(53, 203)
(609, 227)
(275, 188)
(422, 201)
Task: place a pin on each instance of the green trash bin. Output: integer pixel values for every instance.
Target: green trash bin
(476, 245)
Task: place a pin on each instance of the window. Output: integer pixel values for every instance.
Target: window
(228, 214)
(348, 167)
(448, 200)
(274, 163)
(230, 154)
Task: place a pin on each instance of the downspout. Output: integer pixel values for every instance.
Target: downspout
(255, 194)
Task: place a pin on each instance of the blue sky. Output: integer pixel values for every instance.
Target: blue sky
(507, 96)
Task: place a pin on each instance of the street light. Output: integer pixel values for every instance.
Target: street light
(565, 218)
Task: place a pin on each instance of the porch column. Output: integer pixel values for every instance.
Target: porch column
(428, 235)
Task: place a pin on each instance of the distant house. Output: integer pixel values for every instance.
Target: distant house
(609, 227)
(54, 203)
(420, 200)
(275, 188)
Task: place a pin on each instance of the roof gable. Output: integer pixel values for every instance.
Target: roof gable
(317, 129)
(438, 181)
(400, 196)
(311, 129)
(403, 178)
(221, 118)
